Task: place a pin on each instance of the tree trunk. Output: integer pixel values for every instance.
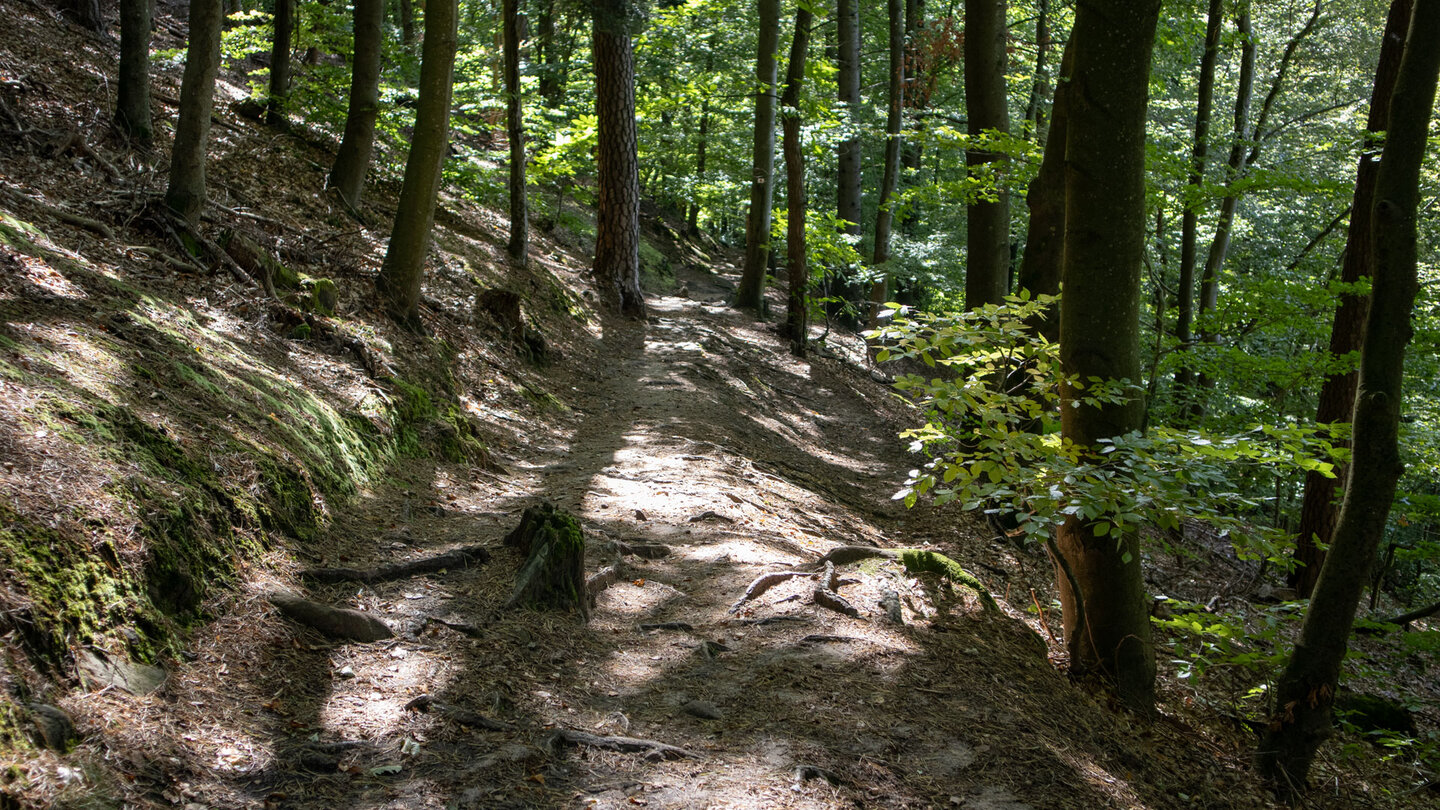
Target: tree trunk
(916, 99)
(848, 199)
(185, 194)
(407, 22)
(132, 104)
(552, 90)
(885, 218)
(617, 230)
(353, 160)
(1040, 87)
(1337, 395)
(751, 293)
(702, 142)
(1306, 691)
(515, 131)
(1100, 326)
(1190, 218)
(797, 307)
(280, 62)
(1045, 239)
(86, 14)
(404, 266)
(987, 272)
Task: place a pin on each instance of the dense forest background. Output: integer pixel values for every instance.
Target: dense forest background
(1126, 265)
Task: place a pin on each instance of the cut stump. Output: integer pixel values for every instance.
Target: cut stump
(553, 574)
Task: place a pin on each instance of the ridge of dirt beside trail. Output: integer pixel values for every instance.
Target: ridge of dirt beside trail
(698, 432)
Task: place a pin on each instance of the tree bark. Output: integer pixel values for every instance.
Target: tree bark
(1045, 238)
(404, 265)
(86, 14)
(1337, 394)
(987, 271)
(1040, 87)
(751, 293)
(893, 142)
(353, 160)
(407, 22)
(1100, 326)
(132, 103)
(848, 195)
(1306, 691)
(515, 131)
(280, 62)
(797, 307)
(185, 194)
(1190, 218)
(702, 143)
(617, 231)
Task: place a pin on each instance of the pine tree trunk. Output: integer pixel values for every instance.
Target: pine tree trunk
(751, 293)
(893, 142)
(353, 160)
(1100, 326)
(515, 131)
(185, 194)
(797, 307)
(1306, 691)
(1337, 395)
(1190, 219)
(404, 265)
(617, 230)
(987, 271)
(132, 103)
(280, 62)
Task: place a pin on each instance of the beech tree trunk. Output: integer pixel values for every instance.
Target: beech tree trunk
(404, 265)
(284, 23)
(885, 218)
(185, 194)
(617, 232)
(1045, 238)
(1040, 87)
(797, 307)
(751, 293)
(1100, 327)
(515, 131)
(407, 22)
(352, 162)
(1306, 691)
(1337, 395)
(848, 199)
(987, 271)
(132, 103)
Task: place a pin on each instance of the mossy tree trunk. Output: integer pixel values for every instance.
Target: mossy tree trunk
(553, 574)
(185, 194)
(404, 266)
(353, 160)
(1100, 327)
(1306, 691)
(132, 103)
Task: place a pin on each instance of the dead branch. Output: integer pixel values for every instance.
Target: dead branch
(630, 745)
(373, 363)
(459, 558)
(16, 195)
(463, 628)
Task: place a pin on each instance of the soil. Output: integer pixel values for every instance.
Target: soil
(693, 434)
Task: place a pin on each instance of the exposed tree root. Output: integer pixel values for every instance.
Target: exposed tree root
(459, 558)
(332, 622)
(630, 745)
(604, 578)
(826, 598)
(915, 560)
(764, 583)
(464, 717)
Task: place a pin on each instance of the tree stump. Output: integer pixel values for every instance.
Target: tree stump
(553, 574)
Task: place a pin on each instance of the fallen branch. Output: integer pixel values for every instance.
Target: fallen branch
(681, 626)
(464, 717)
(373, 363)
(765, 582)
(460, 627)
(459, 558)
(630, 745)
(60, 213)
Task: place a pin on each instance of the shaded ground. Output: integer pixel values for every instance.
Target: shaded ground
(693, 431)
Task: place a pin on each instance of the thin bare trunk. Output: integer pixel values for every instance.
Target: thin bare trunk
(751, 293)
(353, 160)
(797, 307)
(987, 271)
(893, 142)
(515, 131)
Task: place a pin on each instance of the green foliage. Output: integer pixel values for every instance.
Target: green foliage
(991, 435)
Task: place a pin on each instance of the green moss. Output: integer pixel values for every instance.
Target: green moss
(918, 561)
(195, 378)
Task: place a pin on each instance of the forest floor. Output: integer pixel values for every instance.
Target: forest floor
(692, 437)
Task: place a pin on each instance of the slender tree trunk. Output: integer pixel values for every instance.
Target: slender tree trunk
(797, 307)
(407, 22)
(280, 62)
(1190, 218)
(353, 160)
(515, 131)
(617, 231)
(1306, 691)
(751, 293)
(987, 272)
(551, 89)
(1040, 88)
(86, 14)
(132, 103)
(917, 95)
(186, 191)
(1337, 395)
(848, 207)
(893, 142)
(692, 224)
(404, 265)
(1100, 326)
(1045, 240)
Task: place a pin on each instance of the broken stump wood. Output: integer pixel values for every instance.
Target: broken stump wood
(630, 745)
(553, 574)
(340, 624)
(459, 558)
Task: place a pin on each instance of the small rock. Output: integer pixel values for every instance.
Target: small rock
(346, 672)
(53, 728)
(121, 673)
(702, 709)
(890, 603)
